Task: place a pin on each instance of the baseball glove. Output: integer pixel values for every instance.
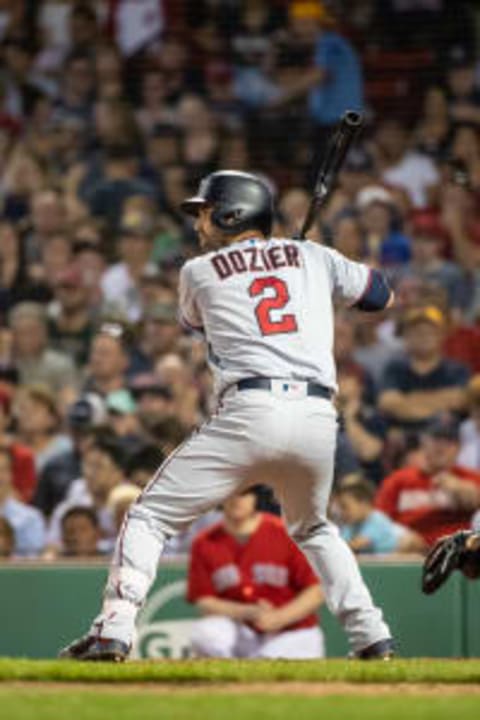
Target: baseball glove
(452, 552)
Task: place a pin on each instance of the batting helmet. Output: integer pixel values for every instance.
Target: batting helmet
(239, 201)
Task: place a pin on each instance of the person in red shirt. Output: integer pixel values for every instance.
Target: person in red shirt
(439, 497)
(254, 587)
(23, 463)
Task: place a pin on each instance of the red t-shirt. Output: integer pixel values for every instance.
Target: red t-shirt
(23, 471)
(409, 497)
(267, 566)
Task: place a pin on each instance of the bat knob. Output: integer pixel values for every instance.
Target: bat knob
(353, 118)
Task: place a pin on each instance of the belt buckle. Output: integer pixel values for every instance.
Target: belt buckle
(289, 389)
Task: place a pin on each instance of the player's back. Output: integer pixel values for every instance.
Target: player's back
(266, 308)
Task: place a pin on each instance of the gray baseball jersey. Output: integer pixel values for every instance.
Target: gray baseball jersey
(266, 308)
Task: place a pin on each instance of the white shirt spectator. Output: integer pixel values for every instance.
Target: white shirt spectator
(79, 496)
(120, 291)
(414, 174)
(28, 526)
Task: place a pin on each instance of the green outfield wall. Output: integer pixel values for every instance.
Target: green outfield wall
(42, 607)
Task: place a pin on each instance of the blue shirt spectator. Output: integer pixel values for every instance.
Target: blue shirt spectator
(28, 526)
(343, 87)
(378, 529)
(366, 529)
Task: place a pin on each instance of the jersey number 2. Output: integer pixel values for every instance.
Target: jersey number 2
(286, 323)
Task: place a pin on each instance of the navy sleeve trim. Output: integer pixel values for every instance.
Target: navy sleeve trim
(376, 294)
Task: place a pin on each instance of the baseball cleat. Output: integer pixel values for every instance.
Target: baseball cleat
(381, 650)
(93, 649)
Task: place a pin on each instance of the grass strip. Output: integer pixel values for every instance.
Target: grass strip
(421, 670)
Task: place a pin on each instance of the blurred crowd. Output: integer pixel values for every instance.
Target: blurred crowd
(111, 113)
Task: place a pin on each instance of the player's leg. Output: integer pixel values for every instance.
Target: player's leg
(302, 644)
(214, 636)
(198, 476)
(305, 503)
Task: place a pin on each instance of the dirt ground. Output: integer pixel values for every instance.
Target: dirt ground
(279, 688)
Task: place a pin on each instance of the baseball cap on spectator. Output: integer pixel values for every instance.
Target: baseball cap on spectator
(310, 10)
(443, 427)
(149, 383)
(86, 413)
(374, 194)
(358, 160)
(121, 402)
(429, 313)
(162, 312)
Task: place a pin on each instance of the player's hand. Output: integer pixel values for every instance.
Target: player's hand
(270, 620)
(250, 612)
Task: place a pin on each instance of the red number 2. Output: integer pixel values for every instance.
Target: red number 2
(286, 323)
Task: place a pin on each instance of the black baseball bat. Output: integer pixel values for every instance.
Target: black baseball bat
(338, 146)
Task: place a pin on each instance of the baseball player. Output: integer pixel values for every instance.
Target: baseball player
(256, 591)
(265, 307)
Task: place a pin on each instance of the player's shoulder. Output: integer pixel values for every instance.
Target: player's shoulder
(321, 253)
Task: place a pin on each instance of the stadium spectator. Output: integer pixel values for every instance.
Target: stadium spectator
(255, 603)
(80, 533)
(84, 418)
(123, 419)
(432, 133)
(31, 353)
(108, 360)
(384, 241)
(48, 217)
(423, 383)
(364, 427)
(26, 522)
(70, 316)
(143, 463)
(103, 469)
(159, 334)
(463, 94)
(439, 497)
(120, 283)
(24, 477)
(427, 263)
(39, 424)
(323, 65)
(374, 349)
(403, 167)
(368, 530)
